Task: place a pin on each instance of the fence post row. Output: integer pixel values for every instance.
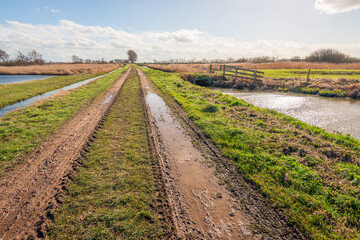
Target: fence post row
(242, 74)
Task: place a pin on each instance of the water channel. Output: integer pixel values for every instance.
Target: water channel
(332, 114)
(27, 102)
(6, 79)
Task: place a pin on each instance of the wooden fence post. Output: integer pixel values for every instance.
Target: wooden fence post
(308, 76)
(224, 66)
(236, 69)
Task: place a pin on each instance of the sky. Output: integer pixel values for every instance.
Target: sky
(178, 29)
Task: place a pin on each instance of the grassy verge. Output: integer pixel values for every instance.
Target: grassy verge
(311, 175)
(113, 193)
(23, 130)
(15, 92)
(315, 73)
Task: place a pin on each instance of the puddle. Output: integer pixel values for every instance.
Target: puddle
(332, 114)
(195, 187)
(108, 99)
(27, 102)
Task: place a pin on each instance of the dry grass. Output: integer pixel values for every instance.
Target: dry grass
(272, 65)
(59, 69)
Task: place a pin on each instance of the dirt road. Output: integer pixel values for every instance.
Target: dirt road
(30, 192)
(195, 173)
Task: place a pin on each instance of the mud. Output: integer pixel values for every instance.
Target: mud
(29, 194)
(208, 197)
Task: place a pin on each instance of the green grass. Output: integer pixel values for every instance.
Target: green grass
(15, 92)
(311, 175)
(315, 73)
(113, 194)
(23, 130)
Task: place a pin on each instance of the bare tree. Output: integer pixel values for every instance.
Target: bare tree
(22, 59)
(3, 55)
(132, 56)
(76, 59)
(35, 57)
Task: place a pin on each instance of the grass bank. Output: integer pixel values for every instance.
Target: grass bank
(23, 130)
(113, 194)
(312, 176)
(16, 92)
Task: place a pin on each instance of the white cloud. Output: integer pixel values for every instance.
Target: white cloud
(60, 42)
(55, 10)
(336, 6)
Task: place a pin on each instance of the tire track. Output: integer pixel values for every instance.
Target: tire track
(30, 192)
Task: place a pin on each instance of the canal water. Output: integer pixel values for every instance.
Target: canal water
(332, 114)
(27, 102)
(6, 79)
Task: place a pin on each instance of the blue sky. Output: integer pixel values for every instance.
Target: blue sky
(179, 28)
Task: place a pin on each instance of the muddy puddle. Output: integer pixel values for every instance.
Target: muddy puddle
(204, 208)
(332, 114)
(29, 101)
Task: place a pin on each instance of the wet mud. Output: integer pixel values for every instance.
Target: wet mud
(207, 196)
(30, 193)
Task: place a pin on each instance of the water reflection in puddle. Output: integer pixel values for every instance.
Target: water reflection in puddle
(332, 114)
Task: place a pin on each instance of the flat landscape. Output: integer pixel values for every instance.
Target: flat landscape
(143, 154)
(181, 120)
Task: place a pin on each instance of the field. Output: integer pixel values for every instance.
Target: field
(143, 154)
(58, 69)
(329, 80)
(276, 65)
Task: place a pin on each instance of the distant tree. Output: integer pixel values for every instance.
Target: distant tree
(76, 59)
(132, 56)
(22, 59)
(3, 55)
(35, 57)
(296, 59)
(328, 55)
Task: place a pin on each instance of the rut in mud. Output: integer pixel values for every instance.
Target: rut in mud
(195, 173)
(30, 192)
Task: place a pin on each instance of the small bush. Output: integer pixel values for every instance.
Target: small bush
(210, 108)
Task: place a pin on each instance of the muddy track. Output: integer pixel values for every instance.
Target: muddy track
(207, 196)
(30, 192)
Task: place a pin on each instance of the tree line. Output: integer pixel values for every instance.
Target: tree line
(321, 55)
(35, 58)
(31, 58)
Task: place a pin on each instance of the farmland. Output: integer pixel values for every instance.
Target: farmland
(103, 162)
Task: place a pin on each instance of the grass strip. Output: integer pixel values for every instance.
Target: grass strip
(23, 130)
(16, 92)
(311, 175)
(113, 193)
(315, 73)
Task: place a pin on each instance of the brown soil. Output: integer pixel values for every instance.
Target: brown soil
(30, 192)
(207, 197)
(59, 69)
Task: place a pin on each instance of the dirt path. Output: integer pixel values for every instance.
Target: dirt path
(28, 195)
(195, 173)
